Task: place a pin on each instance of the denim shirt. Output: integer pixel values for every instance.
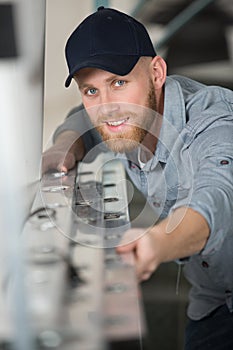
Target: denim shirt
(192, 167)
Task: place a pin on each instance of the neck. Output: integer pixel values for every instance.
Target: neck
(148, 145)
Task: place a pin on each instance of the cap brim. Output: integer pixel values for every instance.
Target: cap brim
(117, 64)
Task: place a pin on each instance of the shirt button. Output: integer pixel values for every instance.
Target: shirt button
(224, 162)
(156, 204)
(228, 291)
(205, 264)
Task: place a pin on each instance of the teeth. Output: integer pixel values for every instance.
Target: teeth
(117, 123)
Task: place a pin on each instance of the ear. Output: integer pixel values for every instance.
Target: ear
(158, 69)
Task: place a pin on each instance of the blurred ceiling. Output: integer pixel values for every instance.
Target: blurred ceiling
(203, 47)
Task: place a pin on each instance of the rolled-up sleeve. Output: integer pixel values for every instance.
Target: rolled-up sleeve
(212, 192)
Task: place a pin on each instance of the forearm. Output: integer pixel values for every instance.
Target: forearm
(182, 234)
(68, 148)
(70, 141)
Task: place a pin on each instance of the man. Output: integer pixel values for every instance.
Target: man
(175, 138)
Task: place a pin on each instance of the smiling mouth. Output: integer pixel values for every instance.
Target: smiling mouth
(117, 122)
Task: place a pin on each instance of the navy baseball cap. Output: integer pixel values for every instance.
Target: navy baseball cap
(107, 39)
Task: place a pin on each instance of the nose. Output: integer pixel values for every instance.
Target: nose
(107, 105)
(109, 109)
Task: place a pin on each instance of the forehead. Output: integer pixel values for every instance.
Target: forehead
(90, 73)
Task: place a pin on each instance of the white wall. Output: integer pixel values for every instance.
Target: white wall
(62, 18)
(21, 107)
(21, 104)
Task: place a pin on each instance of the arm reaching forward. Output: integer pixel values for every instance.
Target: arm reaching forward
(66, 151)
(183, 233)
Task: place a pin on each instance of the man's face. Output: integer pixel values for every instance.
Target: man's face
(122, 108)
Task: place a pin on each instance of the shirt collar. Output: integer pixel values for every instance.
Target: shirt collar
(174, 120)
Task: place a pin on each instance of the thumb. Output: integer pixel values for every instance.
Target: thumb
(126, 248)
(67, 163)
(61, 167)
(130, 240)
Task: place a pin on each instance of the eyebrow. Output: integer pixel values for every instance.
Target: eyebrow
(113, 77)
(89, 85)
(84, 85)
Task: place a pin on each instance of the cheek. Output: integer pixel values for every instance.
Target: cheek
(87, 103)
(90, 107)
(93, 113)
(92, 117)
(137, 95)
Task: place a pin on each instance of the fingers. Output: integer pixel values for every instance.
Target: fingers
(62, 168)
(144, 264)
(126, 248)
(130, 238)
(68, 162)
(140, 262)
(141, 245)
(54, 159)
(144, 276)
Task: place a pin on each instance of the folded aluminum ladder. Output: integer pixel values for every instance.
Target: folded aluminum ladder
(81, 293)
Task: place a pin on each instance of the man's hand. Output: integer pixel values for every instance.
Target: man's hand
(181, 234)
(62, 156)
(146, 252)
(57, 159)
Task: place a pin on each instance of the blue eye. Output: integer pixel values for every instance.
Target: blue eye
(120, 82)
(91, 92)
